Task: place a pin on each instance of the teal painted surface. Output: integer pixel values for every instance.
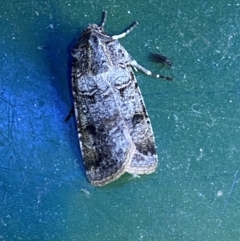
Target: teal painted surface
(44, 193)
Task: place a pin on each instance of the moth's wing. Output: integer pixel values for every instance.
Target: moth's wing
(106, 144)
(135, 115)
(145, 159)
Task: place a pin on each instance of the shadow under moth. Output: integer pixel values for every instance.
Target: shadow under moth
(114, 130)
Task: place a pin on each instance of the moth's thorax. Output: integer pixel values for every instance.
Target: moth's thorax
(96, 52)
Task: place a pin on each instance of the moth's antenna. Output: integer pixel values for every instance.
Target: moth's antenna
(104, 18)
(122, 35)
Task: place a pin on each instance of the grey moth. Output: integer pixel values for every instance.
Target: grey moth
(114, 130)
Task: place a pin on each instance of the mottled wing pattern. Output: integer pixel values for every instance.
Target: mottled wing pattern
(114, 129)
(106, 144)
(130, 101)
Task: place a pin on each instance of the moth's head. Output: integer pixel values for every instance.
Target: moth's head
(95, 28)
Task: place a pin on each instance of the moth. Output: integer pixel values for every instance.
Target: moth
(114, 130)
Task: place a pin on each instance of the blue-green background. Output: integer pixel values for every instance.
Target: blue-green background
(193, 195)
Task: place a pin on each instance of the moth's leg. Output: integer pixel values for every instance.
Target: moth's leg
(122, 35)
(70, 114)
(134, 64)
(104, 18)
